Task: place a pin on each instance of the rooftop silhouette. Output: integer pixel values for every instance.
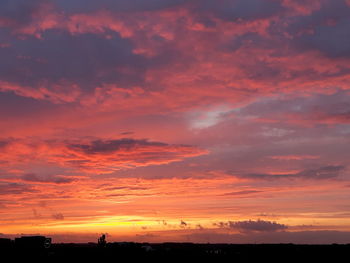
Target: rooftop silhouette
(40, 247)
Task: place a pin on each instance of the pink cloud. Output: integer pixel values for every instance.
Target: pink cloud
(295, 157)
(96, 156)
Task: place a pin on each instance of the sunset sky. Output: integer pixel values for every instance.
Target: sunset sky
(175, 120)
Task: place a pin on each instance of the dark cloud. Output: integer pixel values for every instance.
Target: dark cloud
(333, 41)
(58, 216)
(247, 40)
(224, 9)
(78, 6)
(329, 11)
(326, 29)
(20, 11)
(127, 133)
(253, 226)
(110, 146)
(240, 9)
(325, 172)
(55, 179)
(14, 188)
(29, 106)
(3, 143)
(86, 60)
(63, 67)
(67, 63)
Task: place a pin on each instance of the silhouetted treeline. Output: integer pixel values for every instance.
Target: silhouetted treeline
(176, 252)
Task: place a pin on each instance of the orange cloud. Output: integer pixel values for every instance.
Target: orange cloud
(96, 156)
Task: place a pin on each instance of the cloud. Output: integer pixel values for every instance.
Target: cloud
(129, 188)
(94, 156)
(333, 108)
(322, 173)
(110, 146)
(14, 188)
(325, 172)
(248, 40)
(71, 57)
(58, 216)
(329, 113)
(234, 10)
(3, 143)
(19, 11)
(58, 65)
(127, 153)
(326, 29)
(79, 6)
(55, 179)
(294, 157)
(253, 226)
(242, 193)
(332, 40)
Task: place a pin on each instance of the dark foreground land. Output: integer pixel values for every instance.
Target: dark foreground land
(177, 252)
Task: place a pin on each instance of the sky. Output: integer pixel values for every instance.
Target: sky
(175, 120)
